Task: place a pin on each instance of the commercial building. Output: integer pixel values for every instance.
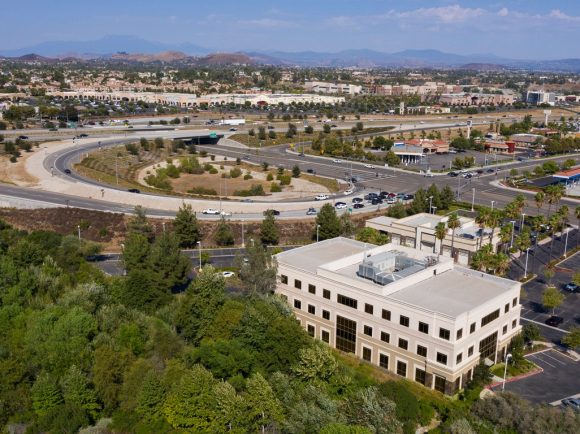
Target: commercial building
(418, 231)
(410, 312)
(540, 97)
(476, 99)
(430, 146)
(500, 147)
(326, 87)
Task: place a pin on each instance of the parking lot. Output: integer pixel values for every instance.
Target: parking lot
(569, 310)
(559, 380)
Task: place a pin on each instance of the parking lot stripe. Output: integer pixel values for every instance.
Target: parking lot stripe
(536, 358)
(553, 358)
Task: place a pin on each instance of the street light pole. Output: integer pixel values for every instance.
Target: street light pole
(317, 227)
(430, 202)
(199, 254)
(243, 243)
(492, 202)
(526, 266)
(79, 232)
(566, 243)
(513, 222)
(507, 357)
(472, 198)
(522, 225)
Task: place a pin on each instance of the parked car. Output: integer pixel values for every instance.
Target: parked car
(572, 287)
(321, 197)
(349, 191)
(371, 196)
(225, 213)
(409, 197)
(272, 211)
(83, 135)
(310, 171)
(554, 321)
(358, 205)
(340, 205)
(452, 174)
(391, 200)
(134, 190)
(336, 160)
(311, 211)
(210, 211)
(23, 137)
(573, 403)
(227, 274)
(376, 201)
(233, 129)
(429, 175)
(369, 166)
(489, 171)
(357, 200)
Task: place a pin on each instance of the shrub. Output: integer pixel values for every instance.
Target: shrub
(255, 190)
(203, 191)
(285, 179)
(213, 170)
(235, 172)
(270, 177)
(247, 176)
(275, 188)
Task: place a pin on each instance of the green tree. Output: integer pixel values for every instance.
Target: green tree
(140, 225)
(186, 227)
(108, 370)
(372, 236)
(167, 261)
(328, 223)
(262, 408)
(296, 171)
(269, 232)
(347, 227)
(315, 363)
(151, 397)
(76, 391)
(258, 271)
(440, 234)
(453, 223)
(572, 339)
(136, 251)
(368, 408)
(45, 394)
(224, 235)
(552, 298)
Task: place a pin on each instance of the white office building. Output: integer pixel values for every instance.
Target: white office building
(410, 312)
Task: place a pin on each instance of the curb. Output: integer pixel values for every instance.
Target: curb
(537, 371)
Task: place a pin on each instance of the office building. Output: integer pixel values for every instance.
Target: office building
(410, 312)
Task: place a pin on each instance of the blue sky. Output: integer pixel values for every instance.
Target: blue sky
(515, 28)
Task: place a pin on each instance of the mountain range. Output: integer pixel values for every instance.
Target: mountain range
(134, 49)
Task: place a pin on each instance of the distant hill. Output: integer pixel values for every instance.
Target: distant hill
(133, 49)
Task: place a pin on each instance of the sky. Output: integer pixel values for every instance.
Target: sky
(526, 29)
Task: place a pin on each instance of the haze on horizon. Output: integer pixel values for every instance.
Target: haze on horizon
(508, 28)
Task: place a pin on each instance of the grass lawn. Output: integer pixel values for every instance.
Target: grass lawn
(523, 367)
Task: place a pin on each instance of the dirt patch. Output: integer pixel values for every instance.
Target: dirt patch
(15, 173)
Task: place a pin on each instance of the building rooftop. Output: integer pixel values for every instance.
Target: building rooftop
(453, 292)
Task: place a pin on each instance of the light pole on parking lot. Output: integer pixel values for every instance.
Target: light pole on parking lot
(526, 266)
(566, 243)
(507, 357)
(513, 222)
(317, 228)
(199, 244)
(472, 198)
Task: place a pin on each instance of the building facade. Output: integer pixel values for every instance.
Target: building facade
(419, 316)
(418, 232)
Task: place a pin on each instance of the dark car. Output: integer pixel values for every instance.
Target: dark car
(489, 171)
(452, 174)
(311, 211)
(371, 196)
(480, 171)
(272, 211)
(83, 135)
(357, 200)
(573, 403)
(309, 170)
(270, 127)
(134, 190)
(376, 201)
(67, 171)
(383, 194)
(23, 137)
(409, 197)
(358, 205)
(554, 321)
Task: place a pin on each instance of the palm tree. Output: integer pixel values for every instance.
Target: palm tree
(440, 233)
(505, 234)
(539, 198)
(555, 223)
(495, 218)
(553, 195)
(454, 223)
(520, 203)
(482, 219)
(501, 263)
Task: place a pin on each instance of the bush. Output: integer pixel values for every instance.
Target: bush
(255, 190)
(213, 170)
(247, 176)
(235, 172)
(203, 191)
(275, 188)
(285, 179)
(270, 177)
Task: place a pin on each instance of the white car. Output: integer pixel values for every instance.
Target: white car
(225, 213)
(340, 205)
(211, 211)
(349, 191)
(336, 160)
(369, 166)
(227, 274)
(321, 197)
(428, 174)
(391, 200)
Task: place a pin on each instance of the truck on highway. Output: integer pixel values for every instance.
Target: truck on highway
(234, 122)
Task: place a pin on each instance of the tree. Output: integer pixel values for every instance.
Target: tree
(107, 373)
(454, 223)
(224, 236)
(45, 394)
(552, 298)
(372, 236)
(440, 233)
(262, 407)
(139, 224)
(135, 251)
(572, 339)
(186, 227)
(76, 391)
(367, 407)
(258, 273)
(446, 197)
(296, 171)
(269, 232)
(346, 225)
(531, 332)
(315, 363)
(328, 222)
(167, 261)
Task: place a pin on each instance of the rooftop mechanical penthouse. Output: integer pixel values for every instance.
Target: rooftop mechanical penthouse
(411, 312)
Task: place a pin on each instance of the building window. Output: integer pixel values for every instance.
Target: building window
(311, 330)
(311, 288)
(401, 368)
(506, 309)
(366, 354)
(444, 334)
(420, 376)
(514, 323)
(404, 320)
(442, 358)
(470, 351)
(472, 328)
(347, 301)
(386, 314)
(325, 336)
(385, 337)
(487, 346)
(504, 330)
(297, 284)
(369, 308)
(297, 304)
(403, 343)
(424, 327)
(326, 294)
(384, 361)
(489, 318)
(459, 358)
(345, 334)
(284, 279)
(368, 330)
(440, 383)
(421, 350)
(326, 314)
(514, 302)
(311, 309)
